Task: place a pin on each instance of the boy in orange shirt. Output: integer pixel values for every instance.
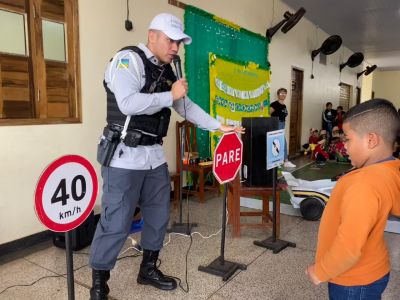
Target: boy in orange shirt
(351, 251)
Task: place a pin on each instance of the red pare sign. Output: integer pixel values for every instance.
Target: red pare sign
(227, 157)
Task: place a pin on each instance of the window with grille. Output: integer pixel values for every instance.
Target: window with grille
(39, 62)
(345, 96)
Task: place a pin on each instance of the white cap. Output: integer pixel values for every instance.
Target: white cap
(171, 26)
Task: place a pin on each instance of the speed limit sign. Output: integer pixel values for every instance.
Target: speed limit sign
(66, 193)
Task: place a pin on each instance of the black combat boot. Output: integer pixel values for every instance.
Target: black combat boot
(100, 289)
(150, 274)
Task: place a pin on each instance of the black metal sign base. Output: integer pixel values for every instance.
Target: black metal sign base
(222, 268)
(275, 245)
(272, 243)
(184, 228)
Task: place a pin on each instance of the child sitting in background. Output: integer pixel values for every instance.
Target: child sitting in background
(320, 152)
(337, 151)
(335, 132)
(314, 136)
(323, 135)
(312, 141)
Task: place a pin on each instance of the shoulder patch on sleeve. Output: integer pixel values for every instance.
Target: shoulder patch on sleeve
(123, 63)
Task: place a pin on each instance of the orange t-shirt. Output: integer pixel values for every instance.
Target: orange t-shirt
(351, 248)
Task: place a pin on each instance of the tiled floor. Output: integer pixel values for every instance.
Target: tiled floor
(268, 276)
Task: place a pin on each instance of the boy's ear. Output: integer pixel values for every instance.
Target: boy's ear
(373, 140)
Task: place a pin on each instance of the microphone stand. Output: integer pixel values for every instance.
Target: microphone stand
(180, 227)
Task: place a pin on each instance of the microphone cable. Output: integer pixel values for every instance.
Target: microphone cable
(177, 64)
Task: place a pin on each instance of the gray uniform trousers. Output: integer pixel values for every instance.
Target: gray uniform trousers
(123, 189)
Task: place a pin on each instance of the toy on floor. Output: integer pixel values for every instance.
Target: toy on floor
(310, 196)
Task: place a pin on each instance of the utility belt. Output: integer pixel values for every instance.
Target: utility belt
(112, 137)
(135, 138)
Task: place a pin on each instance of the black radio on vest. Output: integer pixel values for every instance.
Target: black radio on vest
(177, 64)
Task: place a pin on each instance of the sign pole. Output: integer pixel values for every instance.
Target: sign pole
(220, 266)
(222, 257)
(64, 197)
(225, 160)
(274, 178)
(70, 266)
(274, 159)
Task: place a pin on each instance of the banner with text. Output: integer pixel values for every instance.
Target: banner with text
(237, 89)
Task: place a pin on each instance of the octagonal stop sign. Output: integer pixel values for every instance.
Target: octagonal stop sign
(227, 157)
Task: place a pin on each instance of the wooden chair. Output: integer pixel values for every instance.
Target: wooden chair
(199, 171)
(235, 191)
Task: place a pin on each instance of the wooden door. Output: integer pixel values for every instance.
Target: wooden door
(296, 111)
(358, 97)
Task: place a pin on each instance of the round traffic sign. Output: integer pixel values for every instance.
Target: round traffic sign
(227, 157)
(66, 193)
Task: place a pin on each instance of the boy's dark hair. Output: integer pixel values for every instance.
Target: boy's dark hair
(340, 107)
(281, 90)
(328, 103)
(376, 115)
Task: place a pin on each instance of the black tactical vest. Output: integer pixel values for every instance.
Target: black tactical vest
(158, 79)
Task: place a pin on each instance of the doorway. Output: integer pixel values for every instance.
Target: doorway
(296, 112)
(345, 95)
(358, 95)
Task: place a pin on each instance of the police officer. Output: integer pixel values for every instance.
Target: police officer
(140, 83)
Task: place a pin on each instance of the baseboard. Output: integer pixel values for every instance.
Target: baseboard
(23, 246)
(29, 244)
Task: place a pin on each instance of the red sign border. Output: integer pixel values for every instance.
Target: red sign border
(41, 214)
(241, 158)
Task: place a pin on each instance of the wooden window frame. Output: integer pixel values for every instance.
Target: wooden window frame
(37, 64)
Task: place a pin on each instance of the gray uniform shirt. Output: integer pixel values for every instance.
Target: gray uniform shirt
(125, 77)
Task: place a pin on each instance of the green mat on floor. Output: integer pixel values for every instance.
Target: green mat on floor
(315, 172)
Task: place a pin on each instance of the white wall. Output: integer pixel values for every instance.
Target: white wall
(386, 84)
(27, 150)
(294, 50)
(366, 91)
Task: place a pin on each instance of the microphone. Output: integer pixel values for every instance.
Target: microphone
(177, 64)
